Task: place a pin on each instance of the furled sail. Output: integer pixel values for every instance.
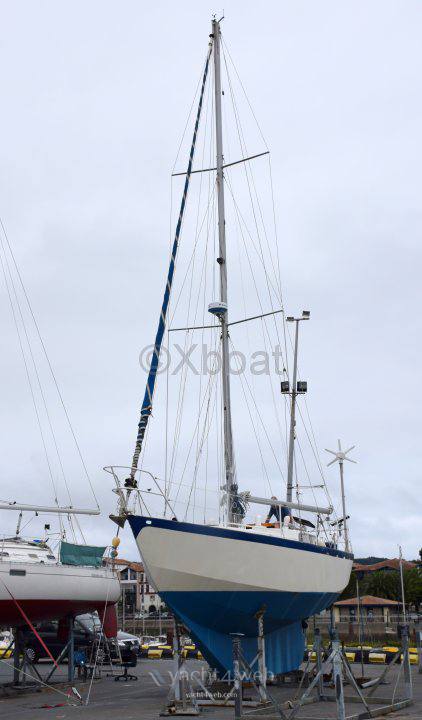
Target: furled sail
(152, 376)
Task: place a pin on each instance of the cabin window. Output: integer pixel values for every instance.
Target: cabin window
(4, 554)
(33, 555)
(50, 557)
(17, 572)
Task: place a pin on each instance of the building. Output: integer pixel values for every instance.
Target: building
(384, 565)
(138, 596)
(373, 609)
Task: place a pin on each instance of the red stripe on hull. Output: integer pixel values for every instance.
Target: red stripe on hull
(38, 610)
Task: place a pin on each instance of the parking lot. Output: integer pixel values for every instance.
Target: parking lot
(145, 698)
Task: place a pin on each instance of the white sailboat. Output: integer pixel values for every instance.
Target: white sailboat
(37, 584)
(218, 576)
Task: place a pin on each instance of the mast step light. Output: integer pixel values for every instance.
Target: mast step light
(217, 308)
(302, 386)
(285, 386)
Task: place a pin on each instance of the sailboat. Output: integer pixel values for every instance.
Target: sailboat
(224, 576)
(38, 582)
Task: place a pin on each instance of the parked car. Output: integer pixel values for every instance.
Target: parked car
(126, 640)
(6, 638)
(83, 639)
(153, 640)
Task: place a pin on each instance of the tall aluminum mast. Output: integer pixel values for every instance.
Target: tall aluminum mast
(230, 486)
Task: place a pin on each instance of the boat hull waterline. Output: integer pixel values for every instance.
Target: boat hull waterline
(52, 592)
(216, 580)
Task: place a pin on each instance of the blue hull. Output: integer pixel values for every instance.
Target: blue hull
(228, 612)
(211, 616)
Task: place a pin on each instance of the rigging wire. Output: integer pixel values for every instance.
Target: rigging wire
(277, 274)
(49, 364)
(226, 49)
(242, 376)
(4, 264)
(198, 85)
(37, 375)
(257, 240)
(264, 322)
(248, 171)
(257, 438)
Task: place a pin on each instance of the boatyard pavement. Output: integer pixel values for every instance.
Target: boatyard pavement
(145, 698)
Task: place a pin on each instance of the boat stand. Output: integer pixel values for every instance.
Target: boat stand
(23, 669)
(242, 670)
(25, 673)
(419, 647)
(216, 696)
(181, 699)
(339, 668)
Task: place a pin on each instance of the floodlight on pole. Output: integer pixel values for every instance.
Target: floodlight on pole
(297, 388)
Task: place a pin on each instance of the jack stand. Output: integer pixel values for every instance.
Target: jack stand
(237, 686)
(21, 665)
(338, 678)
(404, 632)
(339, 664)
(181, 699)
(419, 647)
(71, 651)
(262, 666)
(17, 657)
(318, 651)
(241, 668)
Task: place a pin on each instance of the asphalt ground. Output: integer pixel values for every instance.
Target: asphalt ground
(146, 697)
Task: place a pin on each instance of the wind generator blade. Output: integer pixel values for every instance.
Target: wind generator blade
(350, 448)
(332, 461)
(350, 460)
(331, 452)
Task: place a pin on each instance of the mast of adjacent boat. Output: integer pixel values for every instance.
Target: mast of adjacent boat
(225, 369)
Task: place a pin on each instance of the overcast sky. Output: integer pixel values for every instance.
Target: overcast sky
(94, 101)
